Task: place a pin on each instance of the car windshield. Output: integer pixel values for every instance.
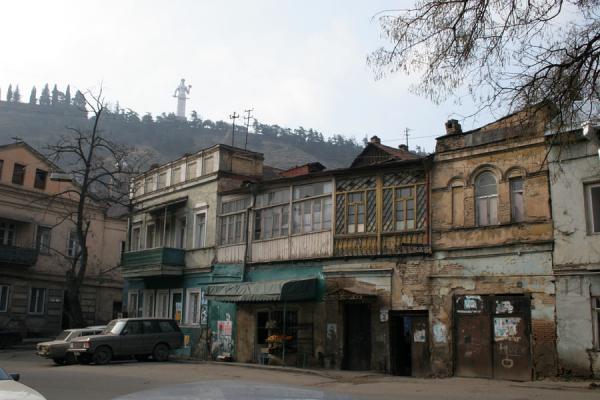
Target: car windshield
(63, 335)
(114, 327)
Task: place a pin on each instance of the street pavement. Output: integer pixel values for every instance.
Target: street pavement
(91, 382)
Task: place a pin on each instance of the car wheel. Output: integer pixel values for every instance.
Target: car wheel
(141, 358)
(102, 355)
(161, 352)
(84, 359)
(59, 361)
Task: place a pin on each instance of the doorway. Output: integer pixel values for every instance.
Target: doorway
(357, 334)
(409, 343)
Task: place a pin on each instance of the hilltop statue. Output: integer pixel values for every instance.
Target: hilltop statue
(181, 93)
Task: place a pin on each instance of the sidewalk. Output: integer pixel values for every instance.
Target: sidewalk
(369, 377)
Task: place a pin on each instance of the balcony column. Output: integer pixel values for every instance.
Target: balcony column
(164, 238)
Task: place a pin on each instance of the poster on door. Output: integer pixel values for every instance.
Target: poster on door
(178, 311)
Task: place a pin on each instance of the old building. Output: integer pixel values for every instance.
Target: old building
(36, 241)
(489, 288)
(319, 259)
(172, 236)
(575, 183)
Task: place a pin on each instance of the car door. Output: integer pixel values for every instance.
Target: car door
(131, 339)
(152, 335)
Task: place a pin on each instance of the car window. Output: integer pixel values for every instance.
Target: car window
(134, 328)
(88, 333)
(113, 327)
(63, 335)
(151, 327)
(165, 326)
(4, 376)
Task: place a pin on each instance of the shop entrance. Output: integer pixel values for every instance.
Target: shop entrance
(357, 334)
(409, 343)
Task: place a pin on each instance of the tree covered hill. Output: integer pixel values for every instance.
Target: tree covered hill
(42, 122)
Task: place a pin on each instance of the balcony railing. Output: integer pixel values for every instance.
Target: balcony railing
(15, 255)
(397, 243)
(160, 261)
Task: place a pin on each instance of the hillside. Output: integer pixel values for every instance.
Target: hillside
(170, 137)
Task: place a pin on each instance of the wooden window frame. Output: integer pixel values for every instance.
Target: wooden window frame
(202, 244)
(404, 201)
(486, 198)
(513, 214)
(40, 179)
(19, 179)
(589, 210)
(355, 205)
(44, 292)
(310, 201)
(188, 309)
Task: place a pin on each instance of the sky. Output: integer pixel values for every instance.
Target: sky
(296, 63)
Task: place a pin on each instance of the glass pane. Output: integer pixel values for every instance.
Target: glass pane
(595, 207)
(516, 184)
(482, 212)
(297, 217)
(517, 206)
(327, 213)
(493, 210)
(485, 185)
(285, 217)
(307, 218)
(317, 215)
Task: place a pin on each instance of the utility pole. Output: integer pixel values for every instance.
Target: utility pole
(233, 117)
(247, 118)
(406, 130)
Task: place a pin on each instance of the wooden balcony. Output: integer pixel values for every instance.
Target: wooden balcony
(388, 244)
(18, 256)
(161, 261)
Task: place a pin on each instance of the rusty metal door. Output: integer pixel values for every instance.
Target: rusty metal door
(420, 346)
(512, 351)
(473, 345)
(357, 333)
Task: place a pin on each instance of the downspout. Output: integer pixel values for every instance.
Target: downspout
(249, 210)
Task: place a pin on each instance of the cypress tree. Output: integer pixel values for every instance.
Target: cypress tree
(45, 97)
(55, 96)
(79, 100)
(32, 96)
(17, 95)
(68, 95)
(9, 93)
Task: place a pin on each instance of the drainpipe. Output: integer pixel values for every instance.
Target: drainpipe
(248, 231)
(284, 335)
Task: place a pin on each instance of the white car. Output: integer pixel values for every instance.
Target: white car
(10, 389)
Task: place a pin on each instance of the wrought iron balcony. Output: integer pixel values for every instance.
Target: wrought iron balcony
(161, 261)
(19, 256)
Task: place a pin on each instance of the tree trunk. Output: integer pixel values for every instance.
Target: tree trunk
(75, 312)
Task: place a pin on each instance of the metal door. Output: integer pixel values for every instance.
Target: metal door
(357, 333)
(512, 351)
(473, 345)
(419, 346)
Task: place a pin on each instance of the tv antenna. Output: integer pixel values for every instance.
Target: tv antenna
(406, 130)
(247, 118)
(233, 117)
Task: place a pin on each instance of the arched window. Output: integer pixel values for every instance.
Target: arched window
(486, 194)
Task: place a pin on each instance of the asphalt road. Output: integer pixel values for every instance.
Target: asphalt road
(91, 382)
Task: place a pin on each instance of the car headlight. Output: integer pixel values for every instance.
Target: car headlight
(86, 345)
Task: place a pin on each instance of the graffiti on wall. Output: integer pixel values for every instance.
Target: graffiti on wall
(222, 341)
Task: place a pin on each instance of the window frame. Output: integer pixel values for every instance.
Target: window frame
(513, 215)
(486, 198)
(188, 309)
(260, 222)
(23, 169)
(154, 238)
(135, 245)
(148, 309)
(38, 243)
(149, 184)
(355, 205)
(72, 250)
(404, 201)
(172, 312)
(4, 288)
(37, 180)
(589, 210)
(204, 230)
(595, 307)
(43, 298)
(8, 227)
(139, 298)
(157, 311)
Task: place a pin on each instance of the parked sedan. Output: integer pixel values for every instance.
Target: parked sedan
(10, 389)
(57, 348)
(122, 338)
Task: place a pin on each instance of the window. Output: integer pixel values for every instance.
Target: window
(177, 305)
(149, 184)
(37, 300)
(593, 207)
(486, 193)
(149, 303)
(134, 328)
(208, 165)
(200, 230)
(135, 305)
(193, 306)
(458, 213)
(40, 179)
(43, 240)
(4, 291)
(356, 212)
(180, 242)
(150, 236)
(232, 221)
(162, 180)
(7, 233)
(18, 174)
(596, 320)
(73, 244)
(166, 326)
(404, 214)
(136, 234)
(190, 172)
(273, 197)
(151, 326)
(175, 175)
(272, 220)
(162, 304)
(312, 215)
(517, 210)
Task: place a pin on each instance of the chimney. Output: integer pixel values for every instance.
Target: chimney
(452, 127)
(375, 139)
(403, 147)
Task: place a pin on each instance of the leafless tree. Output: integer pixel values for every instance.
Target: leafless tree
(101, 171)
(507, 54)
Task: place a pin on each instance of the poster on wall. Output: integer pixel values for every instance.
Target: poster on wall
(224, 328)
(506, 329)
(178, 311)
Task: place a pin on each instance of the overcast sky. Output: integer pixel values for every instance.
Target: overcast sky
(295, 62)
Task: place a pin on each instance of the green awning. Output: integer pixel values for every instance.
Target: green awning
(265, 291)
